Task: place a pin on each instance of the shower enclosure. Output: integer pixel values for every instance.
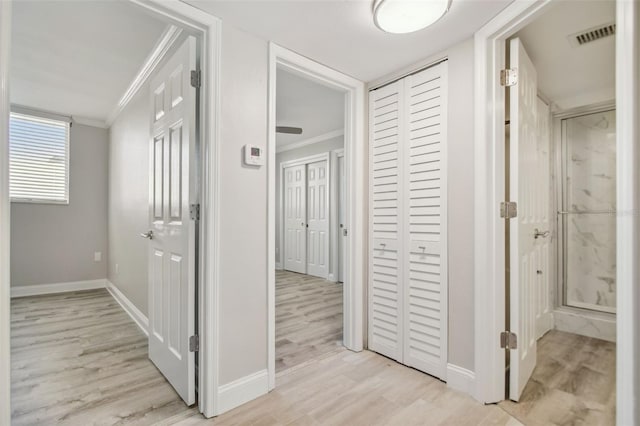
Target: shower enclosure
(586, 216)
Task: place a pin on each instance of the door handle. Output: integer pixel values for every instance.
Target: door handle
(148, 234)
(537, 233)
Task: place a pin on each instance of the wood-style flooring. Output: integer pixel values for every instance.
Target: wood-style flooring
(573, 383)
(78, 359)
(308, 318)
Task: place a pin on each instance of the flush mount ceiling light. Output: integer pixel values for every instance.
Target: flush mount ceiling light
(407, 16)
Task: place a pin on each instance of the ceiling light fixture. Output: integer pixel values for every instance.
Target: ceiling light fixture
(407, 16)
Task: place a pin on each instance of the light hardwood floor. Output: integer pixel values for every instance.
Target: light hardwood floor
(308, 318)
(78, 359)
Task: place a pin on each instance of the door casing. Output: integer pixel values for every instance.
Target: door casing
(355, 161)
(489, 171)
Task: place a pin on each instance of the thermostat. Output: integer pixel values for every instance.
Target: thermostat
(253, 155)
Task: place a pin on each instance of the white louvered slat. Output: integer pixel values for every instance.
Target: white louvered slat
(38, 159)
(425, 318)
(408, 269)
(385, 294)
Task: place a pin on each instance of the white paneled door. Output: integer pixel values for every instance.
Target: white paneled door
(171, 232)
(295, 218)
(407, 264)
(529, 246)
(341, 218)
(317, 219)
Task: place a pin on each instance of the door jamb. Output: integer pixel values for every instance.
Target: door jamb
(489, 192)
(334, 228)
(355, 152)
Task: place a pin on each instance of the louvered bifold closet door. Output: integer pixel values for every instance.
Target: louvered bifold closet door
(385, 277)
(424, 239)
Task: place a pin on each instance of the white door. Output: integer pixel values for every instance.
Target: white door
(532, 196)
(172, 243)
(295, 219)
(544, 288)
(317, 219)
(425, 214)
(341, 217)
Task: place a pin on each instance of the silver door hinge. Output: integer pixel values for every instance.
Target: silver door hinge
(194, 211)
(508, 340)
(345, 232)
(194, 343)
(508, 77)
(508, 209)
(196, 79)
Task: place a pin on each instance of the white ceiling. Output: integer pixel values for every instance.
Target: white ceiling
(300, 102)
(342, 35)
(568, 75)
(78, 58)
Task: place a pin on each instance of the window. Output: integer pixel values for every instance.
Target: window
(38, 159)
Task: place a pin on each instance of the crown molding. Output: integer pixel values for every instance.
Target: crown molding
(164, 45)
(320, 138)
(86, 121)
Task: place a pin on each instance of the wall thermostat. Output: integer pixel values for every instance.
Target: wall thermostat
(253, 155)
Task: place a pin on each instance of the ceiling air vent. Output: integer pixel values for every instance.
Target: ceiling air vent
(592, 34)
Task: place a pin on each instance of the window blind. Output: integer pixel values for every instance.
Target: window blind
(38, 159)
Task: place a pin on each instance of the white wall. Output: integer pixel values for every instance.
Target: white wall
(129, 199)
(53, 243)
(243, 207)
(294, 154)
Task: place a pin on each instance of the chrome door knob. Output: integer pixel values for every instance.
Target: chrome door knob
(148, 234)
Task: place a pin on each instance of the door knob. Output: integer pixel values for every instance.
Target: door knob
(537, 233)
(148, 234)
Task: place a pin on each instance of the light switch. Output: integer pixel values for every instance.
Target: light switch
(97, 256)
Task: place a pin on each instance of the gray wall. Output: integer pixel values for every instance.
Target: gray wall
(294, 154)
(460, 205)
(243, 213)
(53, 243)
(129, 199)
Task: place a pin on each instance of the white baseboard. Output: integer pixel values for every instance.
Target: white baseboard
(40, 289)
(279, 266)
(585, 323)
(136, 315)
(461, 379)
(332, 277)
(242, 391)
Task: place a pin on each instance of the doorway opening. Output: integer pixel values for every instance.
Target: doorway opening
(310, 119)
(130, 120)
(560, 157)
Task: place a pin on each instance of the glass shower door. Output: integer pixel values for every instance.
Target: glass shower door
(588, 211)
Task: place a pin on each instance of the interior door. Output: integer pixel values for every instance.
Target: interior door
(317, 219)
(295, 219)
(531, 196)
(171, 231)
(341, 217)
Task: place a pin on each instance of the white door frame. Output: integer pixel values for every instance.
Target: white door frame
(489, 192)
(298, 162)
(207, 29)
(355, 154)
(334, 207)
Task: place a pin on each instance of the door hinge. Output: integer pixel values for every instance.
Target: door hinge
(508, 77)
(345, 232)
(508, 340)
(194, 211)
(196, 79)
(194, 343)
(508, 209)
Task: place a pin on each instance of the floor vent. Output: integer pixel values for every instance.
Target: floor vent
(592, 34)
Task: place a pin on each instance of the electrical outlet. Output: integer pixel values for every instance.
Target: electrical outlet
(97, 256)
(117, 268)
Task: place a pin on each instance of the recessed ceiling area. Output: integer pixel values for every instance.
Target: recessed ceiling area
(78, 57)
(300, 102)
(342, 34)
(572, 75)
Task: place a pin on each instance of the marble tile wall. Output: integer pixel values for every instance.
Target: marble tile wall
(590, 188)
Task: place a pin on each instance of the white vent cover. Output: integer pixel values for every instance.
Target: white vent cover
(592, 34)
